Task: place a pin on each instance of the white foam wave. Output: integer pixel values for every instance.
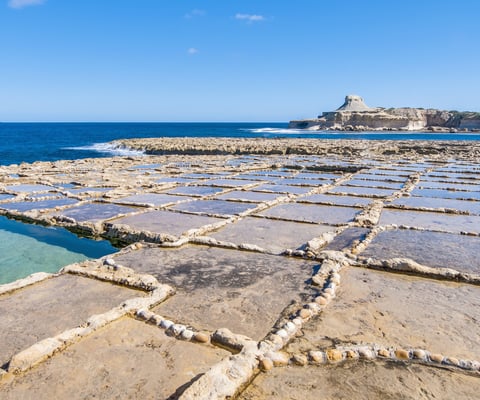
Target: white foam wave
(287, 131)
(284, 131)
(108, 148)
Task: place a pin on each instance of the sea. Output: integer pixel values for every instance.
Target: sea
(25, 249)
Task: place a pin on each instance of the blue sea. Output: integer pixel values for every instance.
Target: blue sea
(29, 142)
(25, 249)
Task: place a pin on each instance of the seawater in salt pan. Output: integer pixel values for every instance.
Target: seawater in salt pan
(229, 182)
(375, 184)
(283, 189)
(312, 213)
(4, 196)
(196, 190)
(273, 173)
(432, 220)
(166, 222)
(29, 188)
(446, 194)
(473, 187)
(272, 235)
(433, 249)
(473, 207)
(243, 195)
(219, 207)
(94, 212)
(38, 205)
(336, 200)
(303, 182)
(361, 190)
(313, 175)
(25, 249)
(380, 177)
(156, 199)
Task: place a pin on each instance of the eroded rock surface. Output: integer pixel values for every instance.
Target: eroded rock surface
(354, 114)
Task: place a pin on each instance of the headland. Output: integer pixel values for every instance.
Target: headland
(355, 115)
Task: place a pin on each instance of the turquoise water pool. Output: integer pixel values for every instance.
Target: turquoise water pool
(28, 248)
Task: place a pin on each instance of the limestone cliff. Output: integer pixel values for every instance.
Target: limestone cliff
(355, 115)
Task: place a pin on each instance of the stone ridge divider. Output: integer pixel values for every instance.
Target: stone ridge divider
(106, 271)
(377, 352)
(29, 280)
(409, 266)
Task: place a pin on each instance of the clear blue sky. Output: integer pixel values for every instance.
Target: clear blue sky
(232, 60)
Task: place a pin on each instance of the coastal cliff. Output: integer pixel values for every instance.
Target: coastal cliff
(355, 115)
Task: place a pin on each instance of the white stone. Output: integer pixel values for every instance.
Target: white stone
(166, 324)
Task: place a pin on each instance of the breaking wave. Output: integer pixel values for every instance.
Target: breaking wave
(108, 148)
(283, 131)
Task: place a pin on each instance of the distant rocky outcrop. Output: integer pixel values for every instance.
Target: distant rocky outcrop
(355, 115)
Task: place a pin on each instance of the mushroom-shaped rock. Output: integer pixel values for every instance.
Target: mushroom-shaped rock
(354, 103)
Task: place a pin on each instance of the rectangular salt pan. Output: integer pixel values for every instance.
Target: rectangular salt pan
(272, 235)
(196, 190)
(446, 194)
(38, 205)
(312, 213)
(29, 188)
(374, 184)
(432, 221)
(95, 212)
(283, 189)
(472, 207)
(153, 199)
(243, 195)
(166, 222)
(362, 191)
(215, 207)
(432, 249)
(333, 199)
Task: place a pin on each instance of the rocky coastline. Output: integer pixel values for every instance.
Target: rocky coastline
(355, 115)
(468, 150)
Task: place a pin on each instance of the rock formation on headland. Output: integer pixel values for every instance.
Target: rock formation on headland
(355, 115)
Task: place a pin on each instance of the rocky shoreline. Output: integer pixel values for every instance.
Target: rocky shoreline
(355, 115)
(468, 150)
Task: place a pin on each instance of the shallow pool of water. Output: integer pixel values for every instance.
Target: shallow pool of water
(27, 248)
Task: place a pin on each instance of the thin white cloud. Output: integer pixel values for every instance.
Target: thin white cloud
(24, 3)
(192, 50)
(195, 13)
(250, 17)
